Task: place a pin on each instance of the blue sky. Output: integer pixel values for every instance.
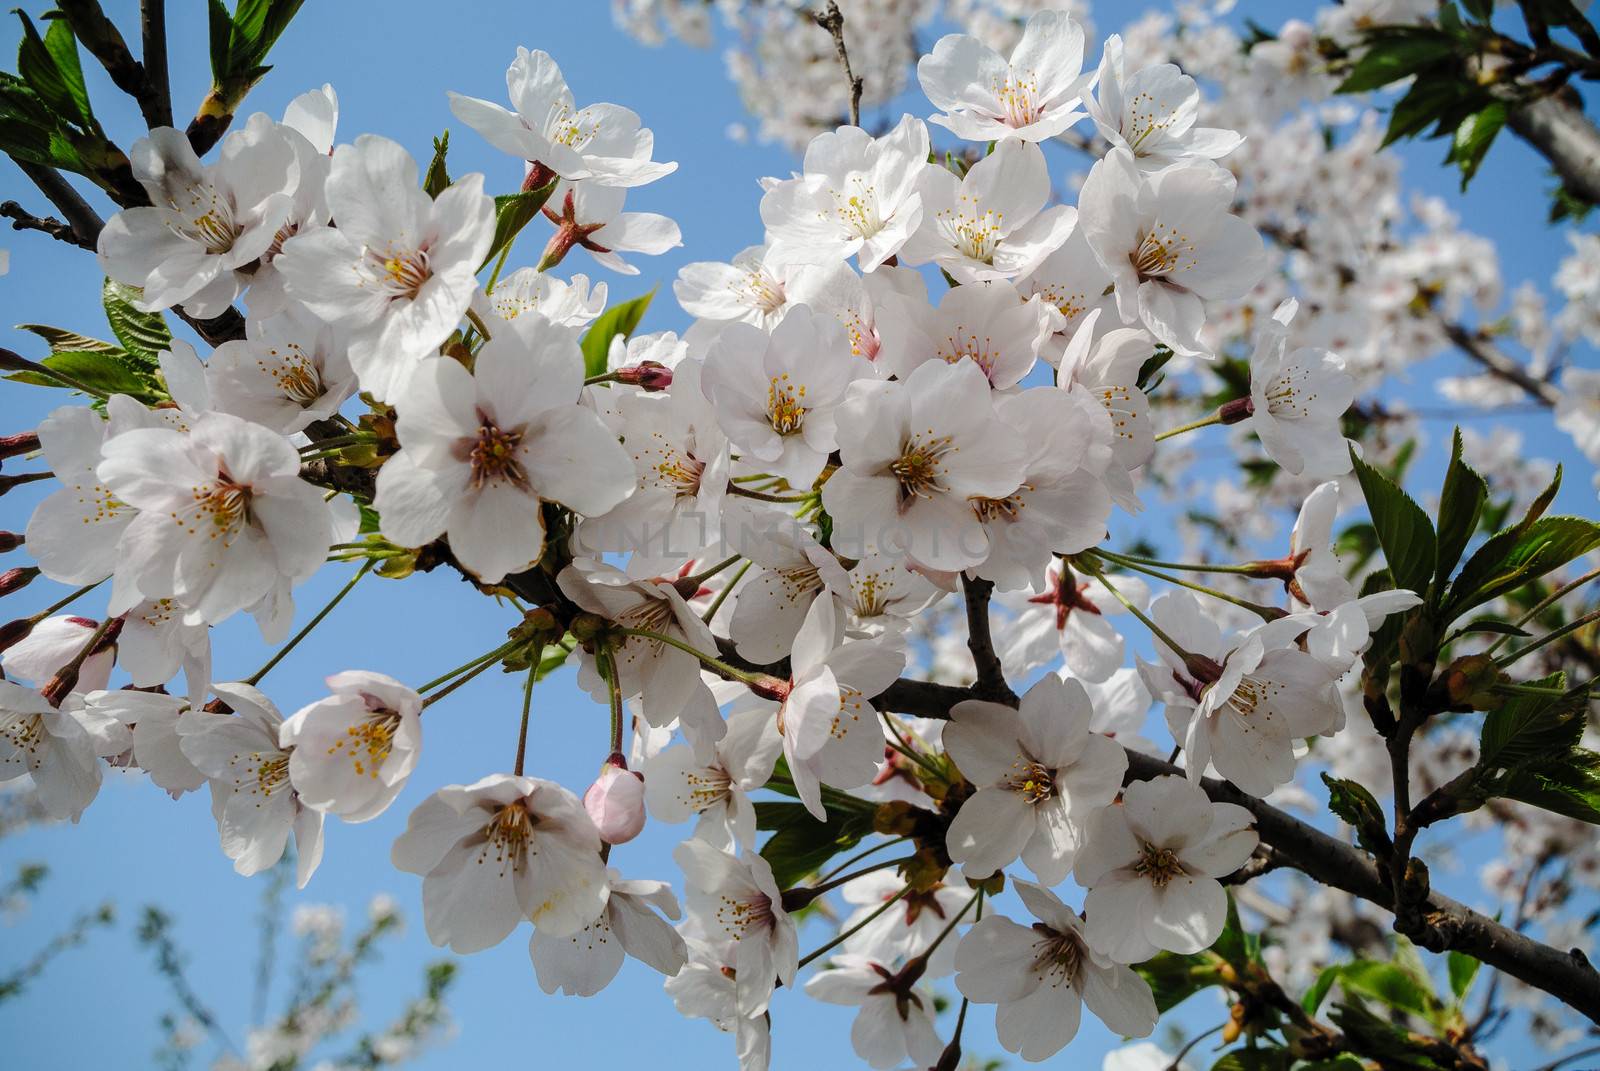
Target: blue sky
(98, 1006)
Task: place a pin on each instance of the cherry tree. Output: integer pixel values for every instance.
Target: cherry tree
(847, 563)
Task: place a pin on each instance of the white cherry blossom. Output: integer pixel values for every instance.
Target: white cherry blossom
(1152, 113)
(1033, 96)
(734, 904)
(255, 804)
(351, 753)
(152, 720)
(893, 1025)
(583, 963)
(52, 746)
(678, 786)
(993, 222)
(1151, 866)
(1040, 775)
(501, 850)
(1041, 977)
(289, 371)
(985, 323)
(480, 451)
(1298, 398)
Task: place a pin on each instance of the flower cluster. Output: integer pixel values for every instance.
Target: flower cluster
(930, 384)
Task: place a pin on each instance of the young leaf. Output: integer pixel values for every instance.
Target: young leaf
(1463, 969)
(102, 372)
(1404, 531)
(1359, 809)
(1528, 727)
(437, 179)
(1174, 978)
(621, 320)
(1391, 985)
(39, 62)
(1395, 56)
(1472, 138)
(1460, 506)
(144, 335)
(512, 211)
(1515, 556)
(800, 844)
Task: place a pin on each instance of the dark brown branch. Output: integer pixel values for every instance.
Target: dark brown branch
(1558, 130)
(84, 220)
(104, 41)
(991, 682)
(23, 220)
(832, 20)
(1441, 922)
(153, 31)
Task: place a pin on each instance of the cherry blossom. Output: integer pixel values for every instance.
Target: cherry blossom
(152, 720)
(399, 270)
(255, 804)
(1043, 975)
(1040, 774)
(991, 223)
(1033, 96)
(498, 851)
(52, 746)
(678, 786)
(987, 324)
(893, 1025)
(481, 450)
(351, 753)
(1169, 243)
(1151, 113)
(1298, 398)
(289, 371)
(857, 196)
(1151, 865)
(734, 904)
(583, 963)
(603, 143)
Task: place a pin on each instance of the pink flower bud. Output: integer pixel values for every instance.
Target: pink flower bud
(616, 801)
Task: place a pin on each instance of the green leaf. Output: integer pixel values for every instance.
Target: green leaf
(1393, 57)
(64, 341)
(1260, 1059)
(1404, 531)
(1234, 944)
(1460, 506)
(1359, 809)
(1472, 138)
(512, 211)
(1567, 785)
(1490, 625)
(1513, 557)
(103, 372)
(39, 63)
(1173, 978)
(800, 844)
(1527, 727)
(1378, 1039)
(144, 335)
(1356, 545)
(1463, 969)
(621, 320)
(1430, 99)
(437, 179)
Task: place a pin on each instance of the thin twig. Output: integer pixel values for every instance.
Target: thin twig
(23, 220)
(832, 20)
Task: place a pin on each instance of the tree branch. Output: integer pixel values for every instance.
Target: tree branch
(102, 38)
(1443, 923)
(832, 20)
(153, 30)
(84, 220)
(23, 220)
(991, 682)
(1559, 131)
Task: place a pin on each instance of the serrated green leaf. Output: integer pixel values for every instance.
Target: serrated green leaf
(1513, 557)
(1394, 57)
(1174, 978)
(512, 211)
(1404, 531)
(621, 319)
(144, 335)
(1567, 784)
(1258, 1059)
(1462, 969)
(38, 65)
(102, 372)
(1359, 809)
(800, 844)
(63, 341)
(1472, 138)
(63, 48)
(1527, 727)
(1489, 625)
(1460, 506)
(437, 179)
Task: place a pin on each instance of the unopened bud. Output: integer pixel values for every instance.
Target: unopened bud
(10, 541)
(8, 482)
(586, 628)
(1469, 682)
(646, 375)
(1234, 1026)
(769, 687)
(11, 361)
(24, 442)
(1238, 410)
(615, 801)
(15, 632)
(17, 579)
(950, 1058)
(1202, 669)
